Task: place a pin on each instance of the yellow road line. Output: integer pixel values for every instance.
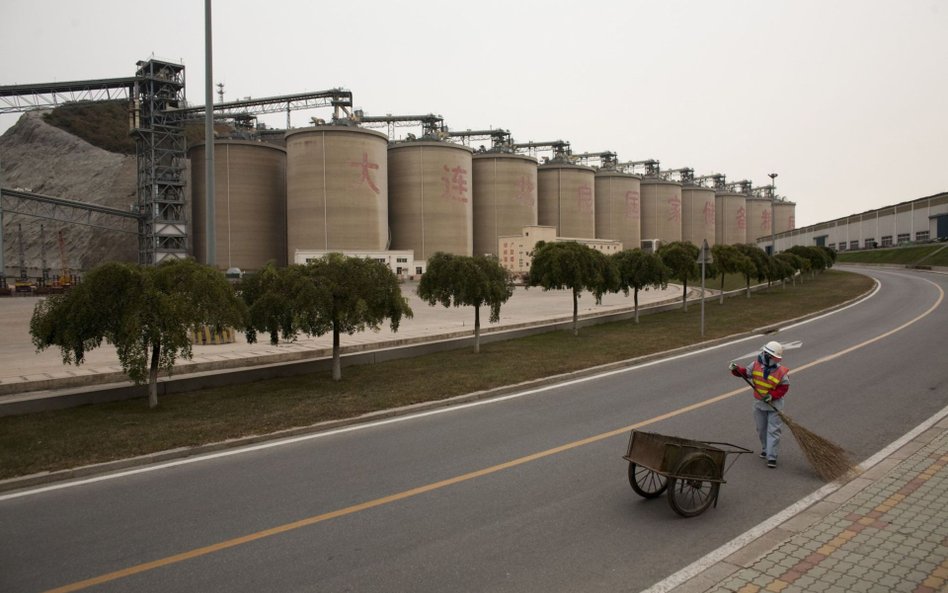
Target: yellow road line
(197, 552)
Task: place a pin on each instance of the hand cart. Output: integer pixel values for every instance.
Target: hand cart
(691, 471)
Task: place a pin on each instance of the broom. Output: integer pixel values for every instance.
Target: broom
(828, 459)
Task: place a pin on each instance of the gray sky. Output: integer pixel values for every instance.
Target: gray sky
(847, 100)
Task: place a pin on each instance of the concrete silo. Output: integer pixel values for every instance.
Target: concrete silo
(336, 189)
(698, 215)
(618, 211)
(730, 218)
(505, 197)
(785, 216)
(430, 198)
(566, 199)
(758, 218)
(661, 210)
(249, 204)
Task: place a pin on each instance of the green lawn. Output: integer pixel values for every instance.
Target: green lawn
(90, 434)
(909, 255)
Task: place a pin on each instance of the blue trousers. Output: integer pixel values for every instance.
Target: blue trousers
(769, 426)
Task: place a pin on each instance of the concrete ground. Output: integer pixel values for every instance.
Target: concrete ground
(23, 369)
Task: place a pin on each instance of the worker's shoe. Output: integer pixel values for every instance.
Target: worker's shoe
(772, 463)
(763, 455)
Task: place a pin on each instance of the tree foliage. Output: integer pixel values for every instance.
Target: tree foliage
(571, 265)
(728, 259)
(759, 260)
(819, 258)
(456, 280)
(146, 312)
(638, 270)
(681, 257)
(271, 295)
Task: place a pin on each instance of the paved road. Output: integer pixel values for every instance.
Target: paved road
(525, 493)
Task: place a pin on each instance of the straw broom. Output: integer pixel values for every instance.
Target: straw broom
(828, 459)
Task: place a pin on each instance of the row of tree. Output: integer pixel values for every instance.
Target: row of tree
(149, 312)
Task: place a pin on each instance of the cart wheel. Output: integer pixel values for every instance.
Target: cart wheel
(691, 497)
(645, 482)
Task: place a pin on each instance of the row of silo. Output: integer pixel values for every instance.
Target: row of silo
(344, 188)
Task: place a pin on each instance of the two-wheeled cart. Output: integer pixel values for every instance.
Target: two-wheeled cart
(691, 471)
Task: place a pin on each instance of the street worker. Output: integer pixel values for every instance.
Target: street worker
(770, 381)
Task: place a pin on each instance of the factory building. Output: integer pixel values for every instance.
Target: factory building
(504, 197)
(402, 263)
(921, 220)
(698, 215)
(516, 251)
(566, 198)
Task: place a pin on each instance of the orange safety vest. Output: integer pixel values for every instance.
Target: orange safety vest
(765, 384)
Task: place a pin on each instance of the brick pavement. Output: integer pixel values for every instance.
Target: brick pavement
(885, 531)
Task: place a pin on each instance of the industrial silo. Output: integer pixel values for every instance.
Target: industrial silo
(504, 190)
(618, 212)
(730, 218)
(336, 189)
(785, 215)
(697, 215)
(758, 218)
(430, 198)
(566, 199)
(661, 210)
(249, 204)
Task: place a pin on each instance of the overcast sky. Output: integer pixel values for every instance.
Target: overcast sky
(846, 100)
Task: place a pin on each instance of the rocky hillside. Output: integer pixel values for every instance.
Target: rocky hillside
(38, 157)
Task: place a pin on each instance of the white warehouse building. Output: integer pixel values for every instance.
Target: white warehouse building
(924, 219)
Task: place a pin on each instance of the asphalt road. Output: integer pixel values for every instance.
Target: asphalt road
(524, 493)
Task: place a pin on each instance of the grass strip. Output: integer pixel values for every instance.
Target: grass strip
(62, 439)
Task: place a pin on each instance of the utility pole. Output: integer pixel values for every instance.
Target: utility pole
(773, 223)
(209, 137)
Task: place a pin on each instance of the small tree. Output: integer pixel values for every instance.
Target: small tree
(349, 294)
(681, 258)
(147, 313)
(792, 263)
(271, 296)
(728, 260)
(758, 259)
(571, 265)
(639, 270)
(470, 281)
(818, 258)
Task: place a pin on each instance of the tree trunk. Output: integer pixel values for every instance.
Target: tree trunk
(575, 313)
(722, 289)
(748, 288)
(336, 362)
(684, 294)
(153, 375)
(477, 329)
(636, 305)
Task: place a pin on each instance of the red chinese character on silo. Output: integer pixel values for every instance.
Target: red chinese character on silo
(632, 204)
(674, 209)
(709, 213)
(741, 219)
(525, 193)
(791, 221)
(455, 184)
(366, 167)
(765, 220)
(584, 198)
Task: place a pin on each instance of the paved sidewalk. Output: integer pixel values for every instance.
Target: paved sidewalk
(884, 531)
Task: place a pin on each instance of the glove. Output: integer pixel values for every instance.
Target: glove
(732, 366)
(768, 398)
(737, 370)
